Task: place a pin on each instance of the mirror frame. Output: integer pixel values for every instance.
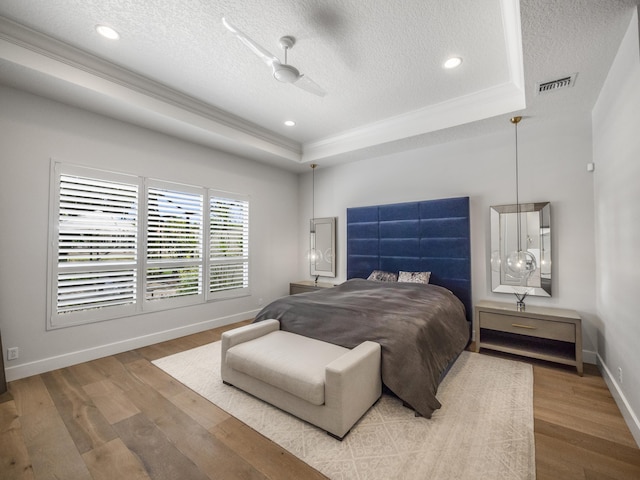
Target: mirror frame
(324, 240)
(496, 260)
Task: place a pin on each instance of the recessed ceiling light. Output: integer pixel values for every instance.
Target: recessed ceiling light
(107, 32)
(290, 123)
(453, 62)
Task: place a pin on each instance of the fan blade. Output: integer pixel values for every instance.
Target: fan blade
(266, 56)
(309, 85)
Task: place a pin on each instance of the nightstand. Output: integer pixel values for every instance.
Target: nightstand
(550, 334)
(307, 286)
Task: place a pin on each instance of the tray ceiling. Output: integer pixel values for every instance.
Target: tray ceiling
(178, 70)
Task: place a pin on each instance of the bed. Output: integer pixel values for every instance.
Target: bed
(422, 328)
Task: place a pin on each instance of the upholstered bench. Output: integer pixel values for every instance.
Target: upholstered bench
(327, 385)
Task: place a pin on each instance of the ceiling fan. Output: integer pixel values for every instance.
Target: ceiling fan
(282, 72)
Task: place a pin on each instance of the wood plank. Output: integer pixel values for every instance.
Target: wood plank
(585, 399)
(51, 449)
(264, 454)
(158, 379)
(105, 368)
(161, 458)
(14, 458)
(577, 405)
(86, 424)
(30, 394)
(597, 424)
(612, 449)
(96, 370)
(128, 357)
(114, 461)
(550, 465)
(111, 401)
(591, 475)
(577, 459)
(200, 409)
(194, 441)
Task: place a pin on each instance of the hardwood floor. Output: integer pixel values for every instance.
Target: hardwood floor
(120, 417)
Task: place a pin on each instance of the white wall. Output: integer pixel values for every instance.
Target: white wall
(32, 131)
(553, 154)
(616, 152)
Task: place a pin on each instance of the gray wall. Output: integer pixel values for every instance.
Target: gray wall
(616, 152)
(32, 131)
(553, 155)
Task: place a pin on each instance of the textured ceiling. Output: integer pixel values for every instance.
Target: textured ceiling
(178, 70)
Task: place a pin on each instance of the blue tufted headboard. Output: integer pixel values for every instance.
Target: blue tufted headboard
(428, 236)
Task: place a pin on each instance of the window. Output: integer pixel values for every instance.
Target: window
(228, 244)
(174, 244)
(122, 245)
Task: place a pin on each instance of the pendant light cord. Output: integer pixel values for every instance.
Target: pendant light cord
(313, 196)
(515, 121)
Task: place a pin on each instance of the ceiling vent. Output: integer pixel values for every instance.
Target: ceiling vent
(558, 84)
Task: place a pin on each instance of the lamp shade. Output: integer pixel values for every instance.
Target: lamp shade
(521, 264)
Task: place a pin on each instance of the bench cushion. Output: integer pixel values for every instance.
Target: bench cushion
(288, 361)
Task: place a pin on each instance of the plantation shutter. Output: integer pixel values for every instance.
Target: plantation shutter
(121, 245)
(174, 243)
(97, 235)
(228, 245)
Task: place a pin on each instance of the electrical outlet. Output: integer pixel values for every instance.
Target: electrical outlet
(13, 353)
(620, 375)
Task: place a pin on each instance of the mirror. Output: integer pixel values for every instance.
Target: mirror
(535, 238)
(323, 242)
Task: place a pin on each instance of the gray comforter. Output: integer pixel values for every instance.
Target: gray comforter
(421, 329)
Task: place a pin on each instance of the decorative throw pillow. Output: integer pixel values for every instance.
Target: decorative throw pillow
(382, 276)
(414, 277)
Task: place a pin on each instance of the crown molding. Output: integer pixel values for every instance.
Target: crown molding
(470, 108)
(41, 53)
(494, 101)
(156, 106)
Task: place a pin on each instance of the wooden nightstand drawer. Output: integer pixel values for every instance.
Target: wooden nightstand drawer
(550, 334)
(533, 327)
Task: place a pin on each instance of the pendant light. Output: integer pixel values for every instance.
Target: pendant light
(314, 255)
(520, 264)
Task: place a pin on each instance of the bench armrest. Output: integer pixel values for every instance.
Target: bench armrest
(354, 379)
(248, 332)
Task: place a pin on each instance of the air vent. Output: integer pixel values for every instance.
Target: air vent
(553, 85)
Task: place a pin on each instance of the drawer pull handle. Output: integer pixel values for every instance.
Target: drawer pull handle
(518, 325)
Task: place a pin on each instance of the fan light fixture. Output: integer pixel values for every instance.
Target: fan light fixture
(290, 123)
(281, 71)
(520, 263)
(107, 32)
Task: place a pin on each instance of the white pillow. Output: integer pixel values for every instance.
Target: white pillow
(414, 277)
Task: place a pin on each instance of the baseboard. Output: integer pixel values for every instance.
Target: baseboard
(72, 358)
(590, 357)
(628, 414)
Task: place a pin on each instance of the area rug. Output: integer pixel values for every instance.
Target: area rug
(483, 430)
